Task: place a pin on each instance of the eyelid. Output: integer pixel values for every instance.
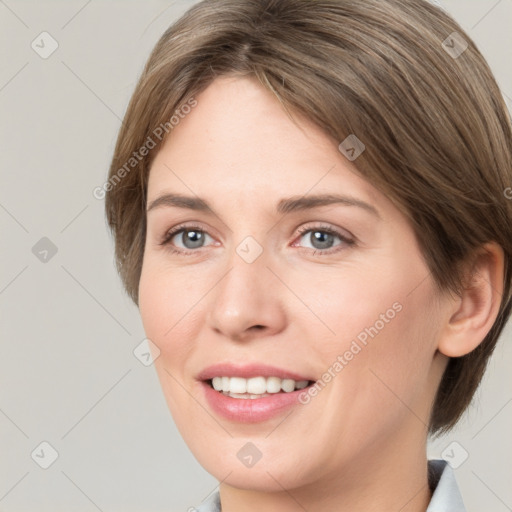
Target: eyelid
(342, 233)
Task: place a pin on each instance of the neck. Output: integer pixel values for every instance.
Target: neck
(379, 479)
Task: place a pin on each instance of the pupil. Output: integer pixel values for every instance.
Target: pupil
(189, 238)
(319, 235)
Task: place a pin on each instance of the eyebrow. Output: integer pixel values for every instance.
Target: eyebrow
(285, 206)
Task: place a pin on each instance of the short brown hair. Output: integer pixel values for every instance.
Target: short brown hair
(437, 131)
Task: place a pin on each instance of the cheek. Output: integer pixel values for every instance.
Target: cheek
(384, 328)
(166, 300)
(166, 305)
(394, 367)
(167, 313)
(153, 294)
(356, 304)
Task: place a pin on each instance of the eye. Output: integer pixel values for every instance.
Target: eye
(322, 238)
(191, 238)
(187, 239)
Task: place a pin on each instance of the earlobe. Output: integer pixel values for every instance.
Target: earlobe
(474, 312)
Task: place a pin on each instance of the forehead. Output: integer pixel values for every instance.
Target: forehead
(239, 143)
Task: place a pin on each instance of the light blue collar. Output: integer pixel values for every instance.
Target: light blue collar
(446, 496)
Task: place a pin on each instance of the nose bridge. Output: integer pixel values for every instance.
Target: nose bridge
(246, 295)
(247, 262)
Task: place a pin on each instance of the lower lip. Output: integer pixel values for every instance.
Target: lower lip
(250, 410)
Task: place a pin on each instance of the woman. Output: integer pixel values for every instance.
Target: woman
(308, 205)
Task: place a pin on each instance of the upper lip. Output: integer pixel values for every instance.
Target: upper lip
(247, 371)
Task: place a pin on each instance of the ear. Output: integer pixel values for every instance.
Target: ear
(473, 313)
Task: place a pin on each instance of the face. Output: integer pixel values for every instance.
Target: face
(335, 293)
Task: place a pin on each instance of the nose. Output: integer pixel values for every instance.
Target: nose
(247, 302)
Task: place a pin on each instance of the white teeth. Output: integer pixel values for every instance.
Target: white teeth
(217, 383)
(245, 395)
(255, 386)
(237, 385)
(273, 384)
(288, 385)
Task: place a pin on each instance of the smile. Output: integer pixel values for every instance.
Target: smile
(255, 387)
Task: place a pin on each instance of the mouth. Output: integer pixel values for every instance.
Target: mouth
(255, 387)
(249, 406)
(253, 392)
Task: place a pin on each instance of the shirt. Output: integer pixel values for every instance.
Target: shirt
(445, 498)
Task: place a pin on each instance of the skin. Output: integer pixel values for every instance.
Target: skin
(360, 444)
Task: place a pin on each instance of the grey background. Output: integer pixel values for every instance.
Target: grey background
(68, 375)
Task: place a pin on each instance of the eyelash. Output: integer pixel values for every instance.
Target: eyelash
(169, 235)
